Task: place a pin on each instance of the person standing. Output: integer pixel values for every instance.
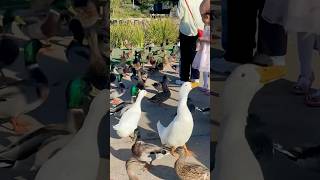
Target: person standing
(242, 46)
(201, 61)
(190, 22)
(300, 17)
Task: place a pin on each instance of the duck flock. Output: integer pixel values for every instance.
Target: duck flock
(131, 78)
(28, 38)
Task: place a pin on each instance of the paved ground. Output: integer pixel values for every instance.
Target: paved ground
(288, 120)
(163, 169)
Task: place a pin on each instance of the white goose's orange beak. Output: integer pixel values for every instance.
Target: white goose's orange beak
(271, 73)
(194, 84)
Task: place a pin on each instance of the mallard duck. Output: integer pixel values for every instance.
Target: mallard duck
(139, 76)
(78, 98)
(141, 157)
(165, 61)
(189, 171)
(157, 86)
(134, 90)
(137, 61)
(9, 51)
(167, 42)
(232, 152)
(164, 95)
(77, 53)
(40, 29)
(25, 95)
(127, 44)
(30, 144)
(87, 12)
(97, 71)
(178, 132)
(47, 140)
(70, 163)
(143, 151)
(129, 54)
(129, 120)
(11, 25)
(124, 106)
(118, 92)
(124, 57)
(132, 166)
(172, 58)
(152, 61)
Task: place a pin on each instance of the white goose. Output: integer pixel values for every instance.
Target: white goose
(234, 158)
(180, 129)
(80, 158)
(129, 120)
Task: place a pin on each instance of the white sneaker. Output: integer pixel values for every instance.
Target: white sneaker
(265, 60)
(220, 65)
(179, 82)
(195, 80)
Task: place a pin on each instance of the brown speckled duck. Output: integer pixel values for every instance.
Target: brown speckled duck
(189, 171)
(141, 157)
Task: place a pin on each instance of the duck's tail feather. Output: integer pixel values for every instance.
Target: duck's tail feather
(7, 163)
(160, 129)
(116, 127)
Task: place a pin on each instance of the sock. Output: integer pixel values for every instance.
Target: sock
(306, 42)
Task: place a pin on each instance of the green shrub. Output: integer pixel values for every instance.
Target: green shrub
(121, 32)
(158, 31)
(154, 32)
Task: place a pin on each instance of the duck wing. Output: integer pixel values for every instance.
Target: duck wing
(193, 171)
(150, 148)
(161, 131)
(160, 97)
(30, 143)
(19, 99)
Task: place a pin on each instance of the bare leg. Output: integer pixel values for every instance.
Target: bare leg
(305, 47)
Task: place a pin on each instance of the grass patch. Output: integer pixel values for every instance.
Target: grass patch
(155, 32)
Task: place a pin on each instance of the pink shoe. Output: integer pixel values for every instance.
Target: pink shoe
(303, 85)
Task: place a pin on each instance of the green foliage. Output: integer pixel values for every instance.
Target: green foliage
(158, 31)
(123, 9)
(121, 32)
(155, 32)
